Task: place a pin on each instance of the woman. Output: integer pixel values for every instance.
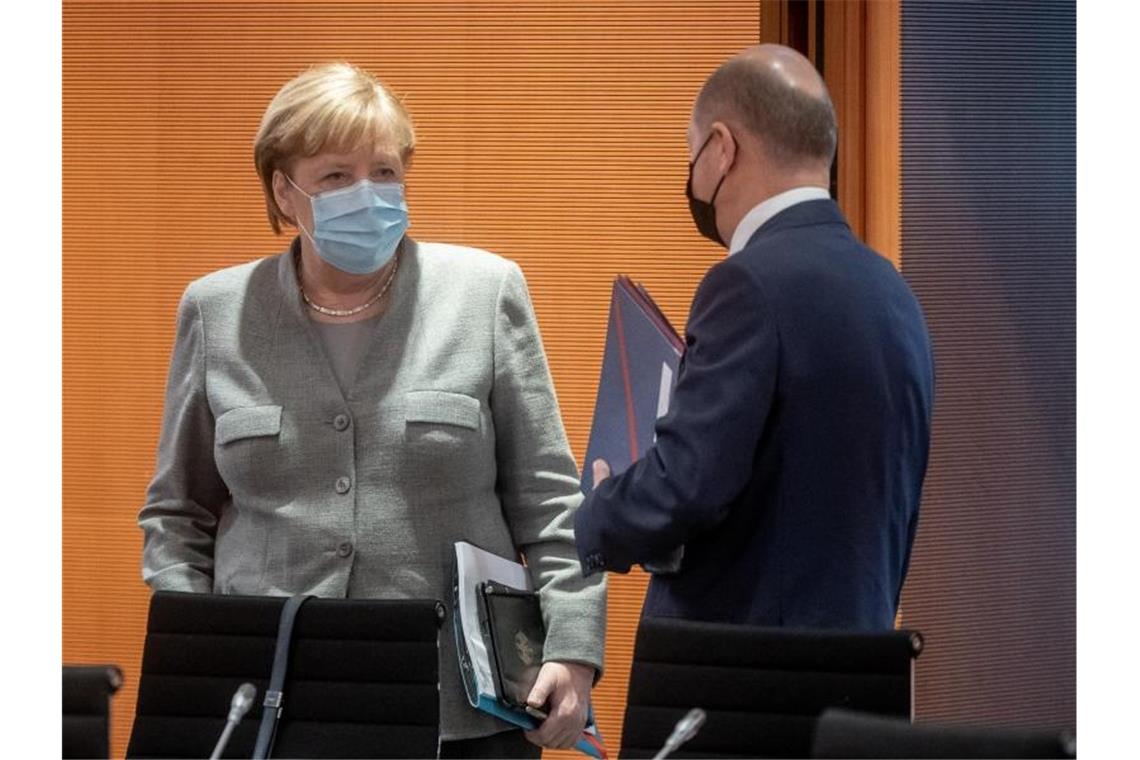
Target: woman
(338, 415)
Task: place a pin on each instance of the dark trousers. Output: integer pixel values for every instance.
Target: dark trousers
(510, 744)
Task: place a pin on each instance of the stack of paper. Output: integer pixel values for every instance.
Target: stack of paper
(474, 566)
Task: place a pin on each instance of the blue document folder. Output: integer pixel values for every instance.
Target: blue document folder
(639, 368)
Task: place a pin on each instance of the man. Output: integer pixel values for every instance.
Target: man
(790, 464)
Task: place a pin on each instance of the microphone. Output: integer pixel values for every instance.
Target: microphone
(239, 706)
(685, 730)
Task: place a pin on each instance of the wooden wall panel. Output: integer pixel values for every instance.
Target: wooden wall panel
(882, 159)
(843, 70)
(552, 133)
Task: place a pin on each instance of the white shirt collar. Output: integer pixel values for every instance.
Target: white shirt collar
(762, 212)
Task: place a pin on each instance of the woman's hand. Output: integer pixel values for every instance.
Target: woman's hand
(563, 690)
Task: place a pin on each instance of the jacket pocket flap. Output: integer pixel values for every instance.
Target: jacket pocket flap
(443, 408)
(247, 422)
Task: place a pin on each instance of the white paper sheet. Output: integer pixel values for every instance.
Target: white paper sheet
(475, 566)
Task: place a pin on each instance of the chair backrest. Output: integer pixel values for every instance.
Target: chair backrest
(845, 733)
(87, 692)
(761, 688)
(363, 676)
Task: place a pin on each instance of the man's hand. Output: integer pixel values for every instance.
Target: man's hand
(563, 690)
(601, 471)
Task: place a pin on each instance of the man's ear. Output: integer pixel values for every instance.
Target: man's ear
(727, 146)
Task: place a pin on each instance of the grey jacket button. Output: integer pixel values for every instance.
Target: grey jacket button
(343, 484)
(340, 422)
(344, 549)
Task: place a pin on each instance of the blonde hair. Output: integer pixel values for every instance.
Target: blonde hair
(335, 106)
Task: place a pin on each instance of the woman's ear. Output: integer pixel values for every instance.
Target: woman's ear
(281, 194)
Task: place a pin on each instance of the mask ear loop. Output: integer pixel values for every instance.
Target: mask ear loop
(692, 165)
(297, 222)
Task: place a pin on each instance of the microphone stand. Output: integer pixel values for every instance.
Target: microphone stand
(685, 730)
(239, 706)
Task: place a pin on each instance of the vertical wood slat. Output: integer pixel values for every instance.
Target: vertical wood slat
(551, 133)
(883, 131)
(774, 21)
(843, 71)
(814, 15)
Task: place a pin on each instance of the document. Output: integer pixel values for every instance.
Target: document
(639, 367)
(475, 567)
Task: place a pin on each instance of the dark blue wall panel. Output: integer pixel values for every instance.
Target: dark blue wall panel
(989, 246)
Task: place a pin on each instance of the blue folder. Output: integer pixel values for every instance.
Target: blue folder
(639, 368)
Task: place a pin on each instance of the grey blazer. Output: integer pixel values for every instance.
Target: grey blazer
(270, 480)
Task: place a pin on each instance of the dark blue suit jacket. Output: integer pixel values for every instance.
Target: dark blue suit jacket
(790, 464)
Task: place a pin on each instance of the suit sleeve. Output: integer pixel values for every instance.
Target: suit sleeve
(185, 498)
(538, 481)
(706, 444)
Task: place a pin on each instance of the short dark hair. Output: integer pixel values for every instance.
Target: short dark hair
(794, 125)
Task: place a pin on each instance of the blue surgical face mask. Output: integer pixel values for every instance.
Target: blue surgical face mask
(357, 228)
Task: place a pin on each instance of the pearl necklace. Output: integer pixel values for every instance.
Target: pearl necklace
(356, 309)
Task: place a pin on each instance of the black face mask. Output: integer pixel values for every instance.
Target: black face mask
(704, 212)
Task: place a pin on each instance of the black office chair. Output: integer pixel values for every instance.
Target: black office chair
(362, 681)
(87, 692)
(761, 688)
(845, 733)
